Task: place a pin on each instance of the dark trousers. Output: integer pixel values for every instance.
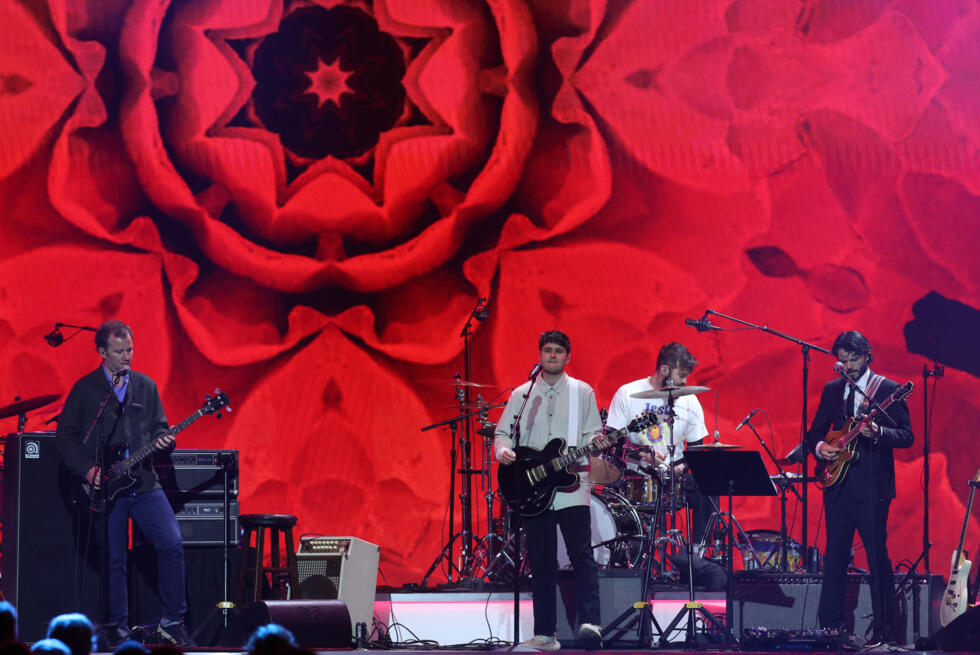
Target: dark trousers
(870, 519)
(152, 513)
(542, 549)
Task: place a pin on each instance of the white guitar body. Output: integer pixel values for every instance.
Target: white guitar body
(955, 599)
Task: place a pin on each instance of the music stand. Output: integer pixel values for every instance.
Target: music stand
(730, 473)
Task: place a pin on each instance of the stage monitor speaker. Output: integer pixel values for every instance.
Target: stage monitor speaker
(315, 623)
(50, 551)
(618, 590)
(789, 602)
(345, 568)
(962, 633)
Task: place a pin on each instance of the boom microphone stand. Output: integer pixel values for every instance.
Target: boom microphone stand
(805, 348)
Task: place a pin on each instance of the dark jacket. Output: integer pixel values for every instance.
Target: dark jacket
(872, 472)
(135, 422)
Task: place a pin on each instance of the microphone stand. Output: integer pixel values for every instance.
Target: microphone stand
(518, 522)
(805, 349)
(100, 495)
(936, 373)
(785, 482)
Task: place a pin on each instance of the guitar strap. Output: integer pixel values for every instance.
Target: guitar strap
(572, 435)
(871, 390)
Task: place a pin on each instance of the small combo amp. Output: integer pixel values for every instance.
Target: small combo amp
(344, 568)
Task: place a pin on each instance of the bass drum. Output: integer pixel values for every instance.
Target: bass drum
(617, 532)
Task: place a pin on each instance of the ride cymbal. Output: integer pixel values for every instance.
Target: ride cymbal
(29, 405)
(714, 446)
(669, 392)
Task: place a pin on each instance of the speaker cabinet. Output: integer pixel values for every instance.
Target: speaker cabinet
(50, 551)
(962, 633)
(789, 601)
(344, 568)
(618, 590)
(316, 624)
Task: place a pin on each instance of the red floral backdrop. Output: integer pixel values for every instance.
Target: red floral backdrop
(301, 202)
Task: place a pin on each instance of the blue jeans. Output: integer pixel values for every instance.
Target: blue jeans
(152, 513)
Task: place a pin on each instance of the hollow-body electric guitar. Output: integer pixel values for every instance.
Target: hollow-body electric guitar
(530, 484)
(829, 473)
(121, 473)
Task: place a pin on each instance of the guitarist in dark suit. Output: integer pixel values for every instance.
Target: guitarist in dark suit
(133, 418)
(559, 406)
(860, 500)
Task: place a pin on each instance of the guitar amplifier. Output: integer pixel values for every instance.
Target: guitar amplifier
(344, 568)
(201, 522)
(197, 472)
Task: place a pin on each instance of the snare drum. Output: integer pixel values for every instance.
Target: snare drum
(638, 488)
(617, 533)
(766, 546)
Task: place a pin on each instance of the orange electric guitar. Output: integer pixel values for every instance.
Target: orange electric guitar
(830, 472)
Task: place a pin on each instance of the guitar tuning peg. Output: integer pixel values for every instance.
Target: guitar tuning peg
(207, 396)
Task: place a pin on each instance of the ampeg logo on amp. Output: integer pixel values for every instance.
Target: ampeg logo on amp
(32, 450)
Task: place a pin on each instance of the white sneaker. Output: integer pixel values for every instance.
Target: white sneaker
(542, 642)
(589, 636)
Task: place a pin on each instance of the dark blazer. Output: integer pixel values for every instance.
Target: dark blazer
(872, 473)
(136, 421)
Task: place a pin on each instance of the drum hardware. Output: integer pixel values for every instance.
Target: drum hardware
(784, 482)
(19, 408)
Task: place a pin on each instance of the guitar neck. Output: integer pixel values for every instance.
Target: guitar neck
(966, 523)
(855, 431)
(147, 450)
(590, 448)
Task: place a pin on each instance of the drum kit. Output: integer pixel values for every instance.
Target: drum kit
(636, 507)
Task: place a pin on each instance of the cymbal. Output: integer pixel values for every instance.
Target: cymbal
(487, 430)
(668, 392)
(459, 382)
(475, 404)
(603, 472)
(714, 446)
(24, 406)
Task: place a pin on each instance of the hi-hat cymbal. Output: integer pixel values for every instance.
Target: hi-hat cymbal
(714, 446)
(459, 382)
(24, 406)
(669, 392)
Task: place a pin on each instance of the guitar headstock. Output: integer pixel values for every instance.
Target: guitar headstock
(214, 404)
(903, 391)
(642, 421)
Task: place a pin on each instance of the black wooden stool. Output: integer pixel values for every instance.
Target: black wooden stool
(276, 525)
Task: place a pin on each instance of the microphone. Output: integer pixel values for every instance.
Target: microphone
(746, 420)
(55, 338)
(534, 371)
(701, 324)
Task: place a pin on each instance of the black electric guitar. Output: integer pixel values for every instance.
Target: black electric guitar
(530, 484)
(122, 473)
(829, 473)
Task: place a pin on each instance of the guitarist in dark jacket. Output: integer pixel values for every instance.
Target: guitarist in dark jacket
(133, 417)
(860, 499)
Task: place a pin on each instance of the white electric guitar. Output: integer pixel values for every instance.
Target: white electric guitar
(957, 590)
